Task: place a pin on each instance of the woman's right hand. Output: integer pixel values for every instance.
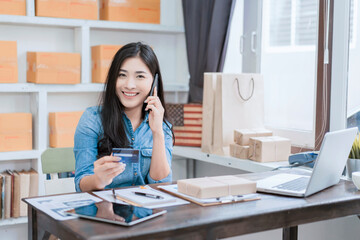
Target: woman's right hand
(106, 168)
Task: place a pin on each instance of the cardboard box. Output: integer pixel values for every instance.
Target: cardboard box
(15, 132)
(130, 11)
(212, 187)
(79, 9)
(53, 68)
(239, 151)
(242, 136)
(62, 128)
(8, 62)
(13, 7)
(269, 149)
(101, 58)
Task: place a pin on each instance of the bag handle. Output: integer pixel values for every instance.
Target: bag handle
(252, 91)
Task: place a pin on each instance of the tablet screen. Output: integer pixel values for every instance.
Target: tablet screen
(116, 213)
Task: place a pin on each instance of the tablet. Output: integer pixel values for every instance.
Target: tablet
(117, 213)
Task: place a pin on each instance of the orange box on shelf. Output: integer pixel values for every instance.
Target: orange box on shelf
(79, 9)
(53, 68)
(13, 7)
(15, 132)
(8, 62)
(101, 58)
(62, 128)
(131, 11)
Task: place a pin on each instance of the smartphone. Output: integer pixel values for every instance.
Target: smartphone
(154, 84)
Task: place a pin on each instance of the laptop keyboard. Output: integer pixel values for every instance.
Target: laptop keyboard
(298, 184)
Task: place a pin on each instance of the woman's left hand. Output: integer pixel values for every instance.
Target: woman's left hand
(156, 114)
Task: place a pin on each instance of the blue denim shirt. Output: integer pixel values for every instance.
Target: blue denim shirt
(89, 131)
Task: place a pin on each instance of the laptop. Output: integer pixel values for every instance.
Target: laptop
(327, 170)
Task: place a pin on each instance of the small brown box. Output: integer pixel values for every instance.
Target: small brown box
(15, 132)
(269, 149)
(130, 11)
(101, 58)
(242, 136)
(211, 187)
(62, 128)
(8, 62)
(53, 68)
(78, 9)
(13, 7)
(239, 151)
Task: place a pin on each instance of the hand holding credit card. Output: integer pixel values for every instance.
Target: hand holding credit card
(127, 155)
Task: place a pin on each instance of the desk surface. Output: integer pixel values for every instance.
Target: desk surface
(196, 222)
(227, 161)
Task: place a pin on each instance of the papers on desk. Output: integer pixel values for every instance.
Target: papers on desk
(54, 206)
(210, 201)
(127, 196)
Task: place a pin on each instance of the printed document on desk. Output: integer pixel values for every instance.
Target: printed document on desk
(210, 201)
(128, 194)
(55, 206)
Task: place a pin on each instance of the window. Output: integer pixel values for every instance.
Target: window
(292, 24)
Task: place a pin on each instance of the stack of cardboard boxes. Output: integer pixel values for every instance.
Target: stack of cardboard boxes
(259, 145)
(139, 11)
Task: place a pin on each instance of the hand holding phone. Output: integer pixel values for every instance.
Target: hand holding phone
(154, 84)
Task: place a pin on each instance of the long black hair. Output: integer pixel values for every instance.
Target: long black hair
(112, 109)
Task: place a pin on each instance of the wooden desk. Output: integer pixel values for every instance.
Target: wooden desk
(195, 222)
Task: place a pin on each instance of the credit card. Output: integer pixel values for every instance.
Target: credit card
(128, 155)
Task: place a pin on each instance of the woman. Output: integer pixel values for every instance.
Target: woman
(127, 118)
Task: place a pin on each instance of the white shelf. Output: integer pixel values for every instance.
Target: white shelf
(19, 155)
(13, 221)
(155, 28)
(227, 161)
(92, 24)
(84, 87)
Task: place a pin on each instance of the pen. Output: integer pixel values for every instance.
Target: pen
(149, 195)
(114, 194)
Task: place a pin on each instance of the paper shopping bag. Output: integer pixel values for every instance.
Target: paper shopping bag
(239, 103)
(208, 112)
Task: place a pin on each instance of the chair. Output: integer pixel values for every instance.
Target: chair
(54, 161)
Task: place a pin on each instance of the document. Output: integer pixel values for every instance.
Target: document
(165, 200)
(55, 206)
(204, 201)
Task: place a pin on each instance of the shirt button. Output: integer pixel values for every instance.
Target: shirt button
(133, 139)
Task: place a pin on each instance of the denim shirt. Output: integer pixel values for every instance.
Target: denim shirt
(89, 131)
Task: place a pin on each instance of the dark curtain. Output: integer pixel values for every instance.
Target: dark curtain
(207, 24)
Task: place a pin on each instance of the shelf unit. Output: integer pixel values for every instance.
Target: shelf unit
(46, 34)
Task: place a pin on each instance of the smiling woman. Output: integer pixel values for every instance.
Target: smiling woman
(122, 121)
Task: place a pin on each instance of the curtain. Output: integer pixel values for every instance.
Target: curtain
(207, 26)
